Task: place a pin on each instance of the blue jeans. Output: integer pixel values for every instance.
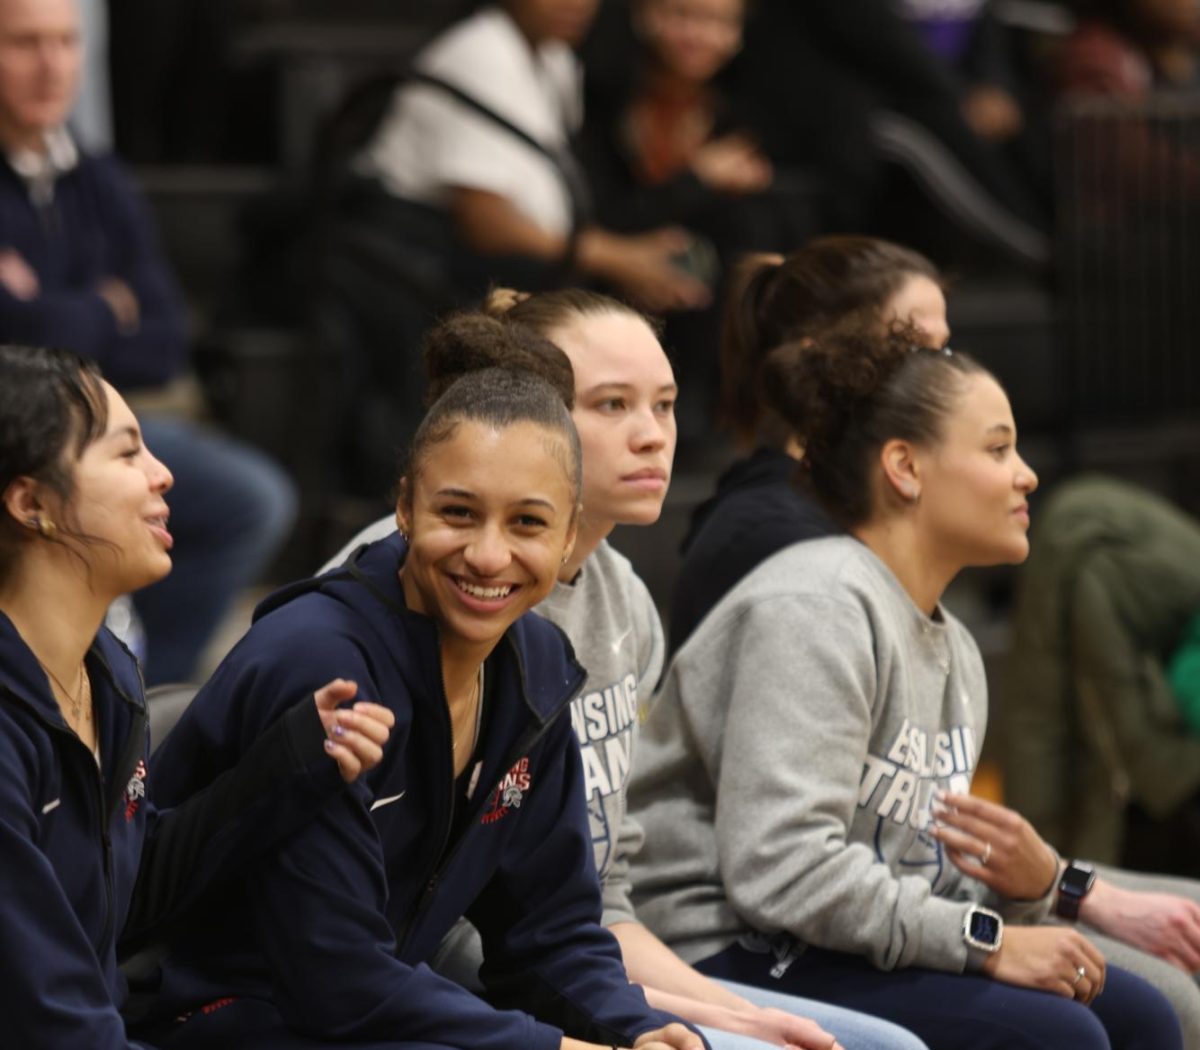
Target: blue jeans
(968, 1011)
(231, 510)
(854, 1030)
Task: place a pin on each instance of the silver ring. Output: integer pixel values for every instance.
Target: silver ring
(1080, 974)
(987, 854)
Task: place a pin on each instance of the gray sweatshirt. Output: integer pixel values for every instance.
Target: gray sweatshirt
(610, 618)
(786, 770)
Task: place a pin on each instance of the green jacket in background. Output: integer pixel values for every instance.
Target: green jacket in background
(1087, 719)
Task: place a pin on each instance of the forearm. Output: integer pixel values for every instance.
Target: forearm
(669, 982)
(490, 225)
(1102, 908)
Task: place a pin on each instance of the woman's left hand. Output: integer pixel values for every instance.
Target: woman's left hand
(672, 1037)
(355, 735)
(1162, 924)
(995, 845)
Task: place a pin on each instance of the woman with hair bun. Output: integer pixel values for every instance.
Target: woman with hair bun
(802, 780)
(624, 393)
(830, 282)
(478, 806)
(89, 858)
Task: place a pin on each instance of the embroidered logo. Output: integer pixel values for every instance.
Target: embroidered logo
(509, 793)
(135, 791)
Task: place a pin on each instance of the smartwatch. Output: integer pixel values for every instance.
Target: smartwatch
(1076, 882)
(983, 929)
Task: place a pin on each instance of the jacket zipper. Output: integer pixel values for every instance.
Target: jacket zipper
(98, 780)
(525, 744)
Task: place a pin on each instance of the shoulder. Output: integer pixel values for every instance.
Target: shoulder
(800, 593)
(484, 45)
(547, 661)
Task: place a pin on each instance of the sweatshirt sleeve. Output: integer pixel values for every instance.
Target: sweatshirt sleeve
(539, 915)
(617, 888)
(54, 991)
(275, 789)
(792, 757)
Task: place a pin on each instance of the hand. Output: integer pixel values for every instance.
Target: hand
(994, 845)
(17, 276)
(780, 1028)
(355, 736)
(1159, 923)
(732, 164)
(122, 302)
(992, 113)
(672, 1037)
(1049, 958)
(641, 265)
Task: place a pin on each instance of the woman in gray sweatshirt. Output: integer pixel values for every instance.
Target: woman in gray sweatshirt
(792, 773)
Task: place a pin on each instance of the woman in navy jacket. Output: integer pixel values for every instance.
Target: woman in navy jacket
(478, 806)
(86, 856)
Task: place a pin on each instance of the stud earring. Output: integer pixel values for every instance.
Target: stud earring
(46, 528)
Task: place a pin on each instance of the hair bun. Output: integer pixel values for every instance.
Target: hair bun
(473, 340)
(499, 301)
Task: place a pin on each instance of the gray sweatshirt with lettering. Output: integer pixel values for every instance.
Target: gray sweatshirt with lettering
(786, 771)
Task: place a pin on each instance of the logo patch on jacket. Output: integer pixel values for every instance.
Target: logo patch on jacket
(509, 793)
(135, 791)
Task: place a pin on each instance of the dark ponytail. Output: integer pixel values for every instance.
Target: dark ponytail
(830, 282)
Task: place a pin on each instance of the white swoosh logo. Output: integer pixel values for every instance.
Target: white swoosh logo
(386, 801)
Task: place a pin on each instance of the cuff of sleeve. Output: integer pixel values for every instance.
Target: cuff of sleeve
(1032, 912)
(306, 745)
(942, 945)
(544, 1036)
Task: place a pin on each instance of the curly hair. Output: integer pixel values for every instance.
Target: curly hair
(848, 392)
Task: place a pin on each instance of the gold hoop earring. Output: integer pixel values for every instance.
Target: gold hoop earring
(44, 527)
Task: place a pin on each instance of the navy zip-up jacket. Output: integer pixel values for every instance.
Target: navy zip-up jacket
(336, 927)
(85, 856)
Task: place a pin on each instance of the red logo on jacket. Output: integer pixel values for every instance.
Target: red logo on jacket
(509, 793)
(135, 791)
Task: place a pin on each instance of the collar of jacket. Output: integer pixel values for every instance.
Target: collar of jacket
(123, 727)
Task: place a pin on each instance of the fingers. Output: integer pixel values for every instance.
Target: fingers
(336, 692)
(978, 808)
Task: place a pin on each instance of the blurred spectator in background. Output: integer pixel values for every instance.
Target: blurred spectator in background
(1128, 48)
(758, 508)
(482, 131)
(856, 91)
(80, 269)
(1096, 750)
(665, 145)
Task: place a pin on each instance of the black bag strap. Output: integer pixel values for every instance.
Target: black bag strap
(563, 160)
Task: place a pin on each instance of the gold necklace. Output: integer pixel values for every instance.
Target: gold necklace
(78, 710)
(476, 694)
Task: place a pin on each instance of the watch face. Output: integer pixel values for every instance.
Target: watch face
(1077, 880)
(984, 928)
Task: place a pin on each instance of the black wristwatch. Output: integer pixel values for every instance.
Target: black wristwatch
(1076, 882)
(983, 930)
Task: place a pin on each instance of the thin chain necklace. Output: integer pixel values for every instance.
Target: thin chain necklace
(477, 700)
(80, 710)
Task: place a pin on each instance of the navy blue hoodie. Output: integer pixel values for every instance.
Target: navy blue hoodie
(335, 928)
(85, 856)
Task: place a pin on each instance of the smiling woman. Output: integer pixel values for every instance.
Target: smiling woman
(88, 856)
(477, 809)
